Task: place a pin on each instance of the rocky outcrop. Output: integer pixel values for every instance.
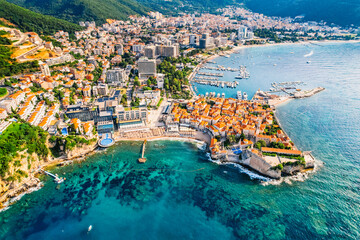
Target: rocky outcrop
(14, 189)
(80, 151)
(14, 183)
(29, 165)
(290, 170)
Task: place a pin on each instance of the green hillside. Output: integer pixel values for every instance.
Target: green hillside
(29, 21)
(84, 10)
(341, 12)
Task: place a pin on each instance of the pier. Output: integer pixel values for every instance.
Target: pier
(56, 178)
(289, 88)
(142, 159)
(211, 74)
(216, 83)
(221, 68)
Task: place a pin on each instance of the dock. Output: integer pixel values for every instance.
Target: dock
(142, 159)
(56, 178)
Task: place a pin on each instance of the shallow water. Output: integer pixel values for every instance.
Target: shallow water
(179, 194)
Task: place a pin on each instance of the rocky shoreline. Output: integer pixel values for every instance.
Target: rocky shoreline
(32, 183)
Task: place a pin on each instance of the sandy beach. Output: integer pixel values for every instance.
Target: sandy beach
(199, 136)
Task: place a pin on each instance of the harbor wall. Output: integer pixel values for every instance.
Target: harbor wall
(260, 165)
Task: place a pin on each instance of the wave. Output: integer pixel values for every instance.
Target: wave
(17, 198)
(241, 169)
(299, 177)
(309, 54)
(251, 174)
(201, 146)
(30, 190)
(265, 181)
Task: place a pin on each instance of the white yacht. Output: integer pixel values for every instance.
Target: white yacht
(238, 95)
(245, 96)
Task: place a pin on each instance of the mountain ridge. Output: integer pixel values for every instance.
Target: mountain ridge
(28, 21)
(84, 10)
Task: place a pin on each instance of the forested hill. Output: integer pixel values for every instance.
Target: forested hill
(340, 12)
(85, 10)
(28, 21)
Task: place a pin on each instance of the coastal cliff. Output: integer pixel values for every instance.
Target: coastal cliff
(21, 175)
(80, 151)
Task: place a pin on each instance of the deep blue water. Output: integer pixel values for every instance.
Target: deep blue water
(179, 194)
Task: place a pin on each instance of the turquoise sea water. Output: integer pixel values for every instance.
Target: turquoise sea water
(179, 194)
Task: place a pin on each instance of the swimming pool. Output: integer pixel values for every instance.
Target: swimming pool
(236, 150)
(64, 131)
(106, 141)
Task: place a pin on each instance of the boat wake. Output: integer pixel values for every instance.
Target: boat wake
(309, 54)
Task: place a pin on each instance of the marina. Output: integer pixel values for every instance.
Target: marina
(244, 74)
(202, 78)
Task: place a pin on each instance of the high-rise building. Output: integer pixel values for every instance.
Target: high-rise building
(160, 80)
(146, 68)
(206, 41)
(250, 35)
(117, 76)
(170, 51)
(119, 49)
(102, 89)
(192, 39)
(150, 52)
(242, 32)
(138, 48)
